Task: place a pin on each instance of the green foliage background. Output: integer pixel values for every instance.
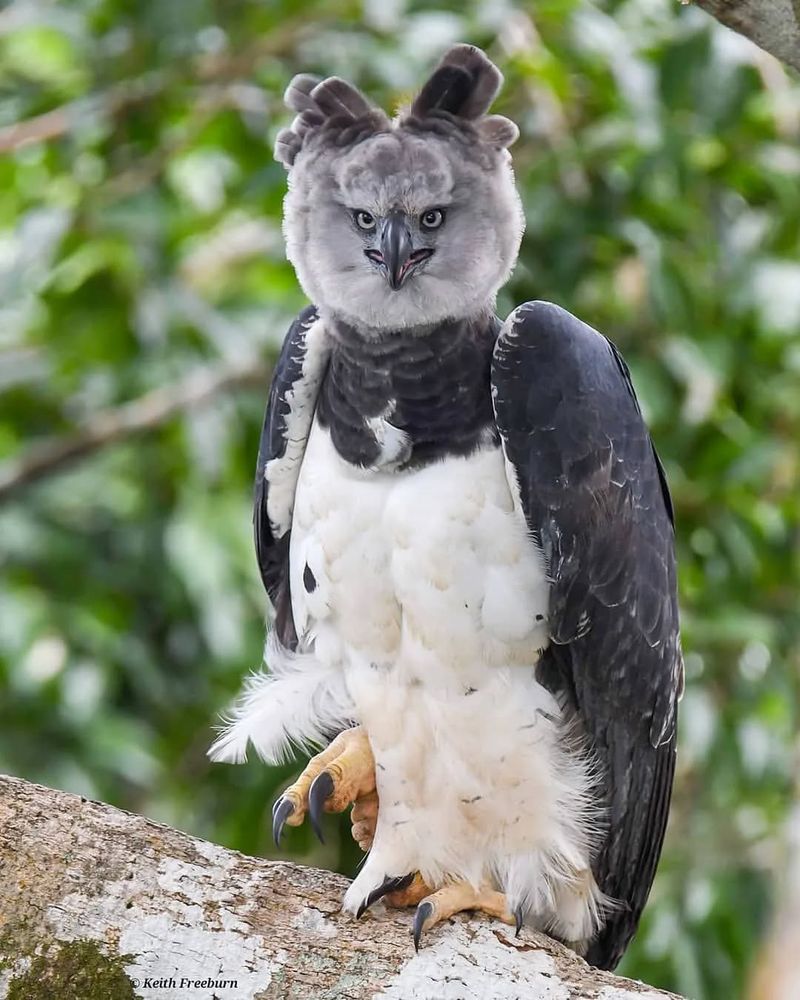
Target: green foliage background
(140, 243)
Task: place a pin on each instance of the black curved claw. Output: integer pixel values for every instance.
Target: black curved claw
(518, 920)
(388, 885)
(318, 794)
(281, 811)
(424, 910)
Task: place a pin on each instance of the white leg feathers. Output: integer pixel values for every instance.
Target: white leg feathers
(298, 704)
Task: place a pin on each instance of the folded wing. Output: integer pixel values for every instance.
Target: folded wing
(287, 422)
(594, 496)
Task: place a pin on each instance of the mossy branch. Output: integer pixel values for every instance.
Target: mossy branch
(99, 904)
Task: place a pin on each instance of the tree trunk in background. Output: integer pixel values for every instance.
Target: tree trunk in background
(772, 24)
(99, 902)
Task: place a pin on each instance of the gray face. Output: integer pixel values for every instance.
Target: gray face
(404, 229)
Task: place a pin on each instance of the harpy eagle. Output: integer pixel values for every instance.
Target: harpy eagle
(466, 536)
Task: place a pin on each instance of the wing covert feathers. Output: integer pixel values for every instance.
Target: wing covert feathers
(595, 497)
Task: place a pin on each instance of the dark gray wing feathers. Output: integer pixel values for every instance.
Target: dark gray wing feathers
(595, 498)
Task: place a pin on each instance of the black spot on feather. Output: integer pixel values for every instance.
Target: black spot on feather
(309, 580)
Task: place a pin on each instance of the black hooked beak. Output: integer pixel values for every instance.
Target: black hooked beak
(397, 255)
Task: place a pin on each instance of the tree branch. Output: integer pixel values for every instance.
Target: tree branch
(59, 121)
(224, 66)
(117, 423)
(126, 903)
(772, 24)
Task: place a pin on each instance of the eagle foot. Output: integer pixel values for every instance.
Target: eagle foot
(364, 819)
(455, 898)
(343, 773)
(411, 894)
(390, 886)
(399, 890)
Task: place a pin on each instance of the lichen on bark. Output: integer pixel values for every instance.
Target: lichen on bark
(73, 970)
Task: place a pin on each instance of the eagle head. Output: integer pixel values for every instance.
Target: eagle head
(405, 222)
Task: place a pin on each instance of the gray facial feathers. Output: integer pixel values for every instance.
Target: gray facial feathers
(352, 169)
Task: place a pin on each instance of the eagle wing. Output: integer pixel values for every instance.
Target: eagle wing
(595, 498)
(290, 410)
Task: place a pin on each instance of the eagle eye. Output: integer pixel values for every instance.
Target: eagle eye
(364, 220)
(432, 219)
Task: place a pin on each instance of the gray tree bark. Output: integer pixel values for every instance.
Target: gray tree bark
(98, 903)
(772, 24)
